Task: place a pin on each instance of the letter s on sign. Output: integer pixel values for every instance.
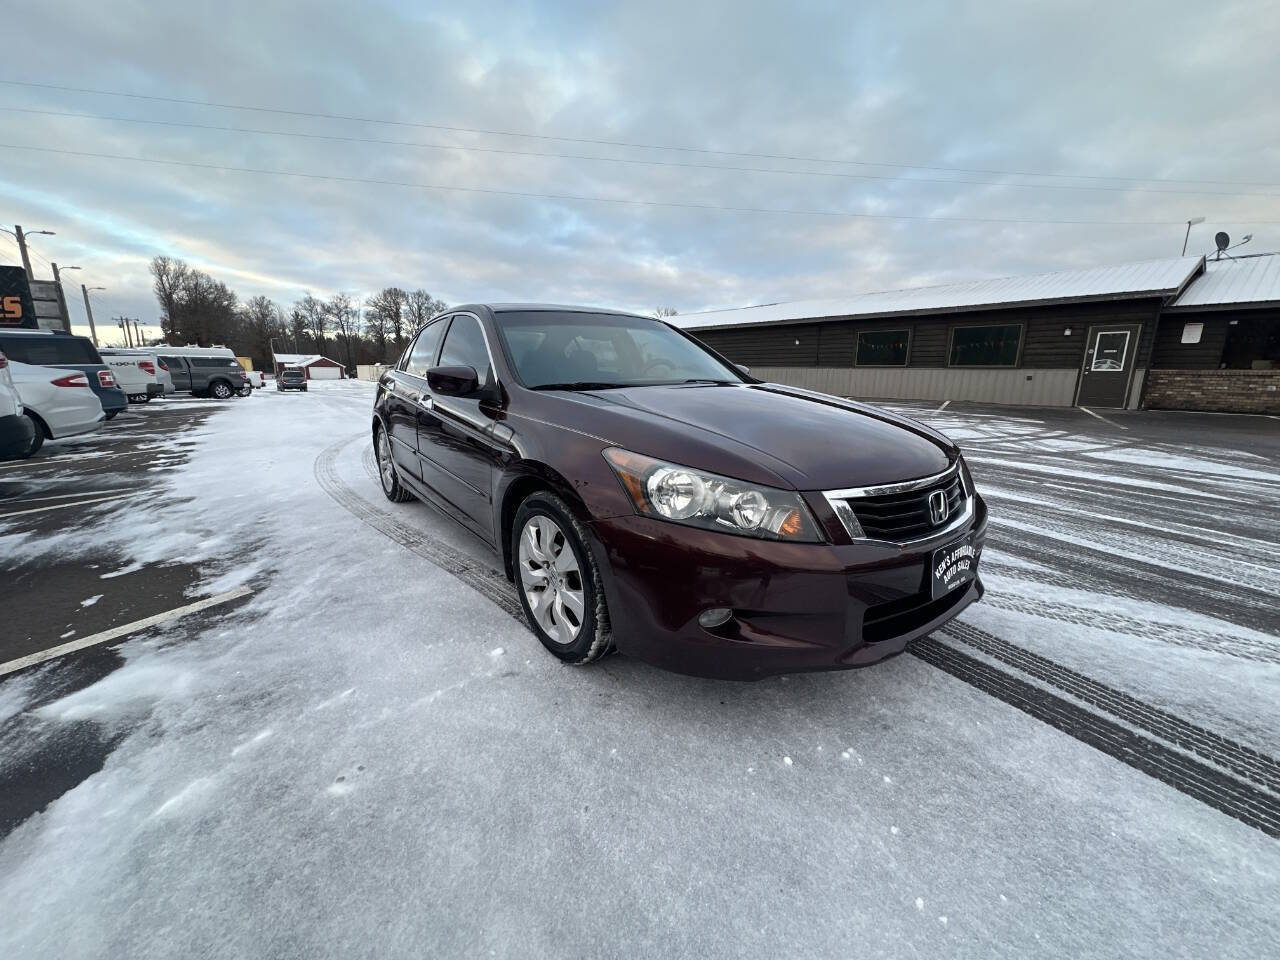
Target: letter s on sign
(12, 308)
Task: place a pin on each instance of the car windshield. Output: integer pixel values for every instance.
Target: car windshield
(553, 350)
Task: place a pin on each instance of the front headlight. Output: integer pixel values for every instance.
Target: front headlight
(668, 491)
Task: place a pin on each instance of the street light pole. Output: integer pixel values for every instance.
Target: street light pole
(1190, 223)
(22, 245)
(88, 312)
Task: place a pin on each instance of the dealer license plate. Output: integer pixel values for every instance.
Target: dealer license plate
(953, 566)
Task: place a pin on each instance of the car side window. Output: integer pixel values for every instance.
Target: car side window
(464, 346)
(423, 351)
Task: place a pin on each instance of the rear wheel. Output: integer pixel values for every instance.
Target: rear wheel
(246, 390)
(221, 390)
(558, 580)
(137, 398)
(387, 475)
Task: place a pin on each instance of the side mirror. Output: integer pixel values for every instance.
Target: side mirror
(453, 381)
(743, 367)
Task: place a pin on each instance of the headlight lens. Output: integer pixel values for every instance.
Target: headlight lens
(700, 499)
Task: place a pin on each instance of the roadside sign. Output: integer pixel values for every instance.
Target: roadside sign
(17, 309)
(47, 300)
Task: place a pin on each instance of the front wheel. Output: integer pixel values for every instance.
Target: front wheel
(387, 476)
(221, 390)
(558, 580)
(137, 398)
(246, 391)
(37, 439)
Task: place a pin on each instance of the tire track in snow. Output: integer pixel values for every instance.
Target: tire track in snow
(479, 576)
(1243, 801)
(1243, 761)
(1178, 635)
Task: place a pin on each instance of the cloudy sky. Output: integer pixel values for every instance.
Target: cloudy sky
(631, 154)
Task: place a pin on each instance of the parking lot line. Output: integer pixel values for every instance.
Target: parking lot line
(59, 506)
(40, 461)
(1098, 416)
(123, 630)
(58, 496)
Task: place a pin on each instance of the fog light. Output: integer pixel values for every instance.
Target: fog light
(714, 616)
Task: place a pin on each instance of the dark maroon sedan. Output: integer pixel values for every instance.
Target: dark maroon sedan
(646, 494)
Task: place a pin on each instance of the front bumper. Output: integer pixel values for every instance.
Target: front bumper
(798, 607)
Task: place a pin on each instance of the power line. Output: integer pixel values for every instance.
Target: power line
(590, 199)
(623, 160)
(611, 143)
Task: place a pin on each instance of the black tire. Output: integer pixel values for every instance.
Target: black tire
(137, 398)
(594, 637)
(246, 390)
(221, 390)
(389, 478)
(111, 415)
(37, 439)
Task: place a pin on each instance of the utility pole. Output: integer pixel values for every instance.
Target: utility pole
(123, 324)
(22, 248)
(62, 298)
(137, 335)
(88, 312)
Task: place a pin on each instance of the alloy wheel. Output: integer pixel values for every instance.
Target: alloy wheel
(385, 470)
(551, 579)
(221, 391)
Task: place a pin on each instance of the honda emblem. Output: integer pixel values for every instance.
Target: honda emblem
(939, 508)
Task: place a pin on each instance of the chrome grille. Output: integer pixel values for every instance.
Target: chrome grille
(901, 513)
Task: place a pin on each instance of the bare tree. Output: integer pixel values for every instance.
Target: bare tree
(315, 318)
(421, 307)
(168, 276)
(385, 315)
(263, 322)
(661, 312)
(344, 319)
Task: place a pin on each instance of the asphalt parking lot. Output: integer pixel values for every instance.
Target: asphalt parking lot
(1086, 761)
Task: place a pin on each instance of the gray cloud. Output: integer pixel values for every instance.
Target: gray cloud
(1165, 90)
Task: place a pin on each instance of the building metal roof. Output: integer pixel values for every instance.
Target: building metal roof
(301, 359)
(1149, 278)
(1248, 281)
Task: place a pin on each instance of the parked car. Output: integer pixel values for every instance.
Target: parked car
(17, 431)
(255, 381)
(70, 351)
(58, 403)
(292, 378)
(645, 493)
(205, 371)
(136, 372)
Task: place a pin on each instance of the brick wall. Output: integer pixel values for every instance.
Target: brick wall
(1234, 391)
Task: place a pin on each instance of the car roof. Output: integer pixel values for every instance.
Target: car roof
(548, 307)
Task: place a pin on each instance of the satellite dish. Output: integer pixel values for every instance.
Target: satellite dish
(1222, 239)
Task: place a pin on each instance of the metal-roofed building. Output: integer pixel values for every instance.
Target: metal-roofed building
(314, 365)
(1085, 337)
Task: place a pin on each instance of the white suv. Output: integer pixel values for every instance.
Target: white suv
(58, 403)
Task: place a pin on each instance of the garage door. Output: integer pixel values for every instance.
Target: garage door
(324, 373)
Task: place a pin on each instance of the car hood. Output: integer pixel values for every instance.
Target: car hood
(810, 441)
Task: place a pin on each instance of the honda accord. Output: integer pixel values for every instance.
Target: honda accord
(648, 495)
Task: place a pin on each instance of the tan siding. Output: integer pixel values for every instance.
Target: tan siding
(1048, 388)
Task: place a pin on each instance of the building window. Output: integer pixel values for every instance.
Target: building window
(994, 346)
(1192, 332)
(882, 348)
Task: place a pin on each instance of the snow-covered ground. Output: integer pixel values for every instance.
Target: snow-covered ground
(372, 757)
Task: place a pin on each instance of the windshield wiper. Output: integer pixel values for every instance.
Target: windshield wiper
(718, 383)
(579, 385)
